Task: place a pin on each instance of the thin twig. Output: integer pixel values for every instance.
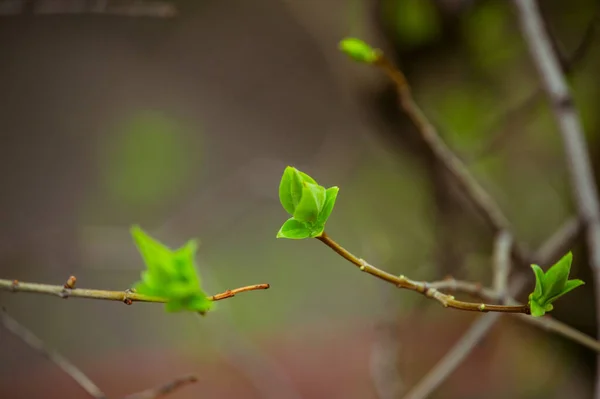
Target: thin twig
(164, 389)
(127, 297)
(154, 9)
(583, 183)
(502, 246)
(454, 357)
(548, 251)
(35, 343)
(417, 286)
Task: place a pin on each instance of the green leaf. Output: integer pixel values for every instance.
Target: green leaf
(539, 278)
(551, 285)
(330, 197)
(556, 277)
(358, 50)
(311, 203)
(291, 187)
(170, 274)
(294, 229)
(569, 286)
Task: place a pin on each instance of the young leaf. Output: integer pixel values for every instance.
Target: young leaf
(170, 274)
(551, 285)
(556, 277)
(569, 286)
(358, 50)
(311, 203)
(539, 278)
(330, 197)
(294, 229)
(291, 186)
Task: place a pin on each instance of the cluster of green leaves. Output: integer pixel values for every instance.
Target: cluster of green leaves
(170, 274)
(307, 202)
(551, 285)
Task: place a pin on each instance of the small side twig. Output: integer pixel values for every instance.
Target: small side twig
(127, 296)
(420, 287)
(37, 344)
(164, 389)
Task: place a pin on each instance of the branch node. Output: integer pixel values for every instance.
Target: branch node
(14, 285)
(65, 293)
(482, 307)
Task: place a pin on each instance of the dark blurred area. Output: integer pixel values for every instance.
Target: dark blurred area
(181, 116)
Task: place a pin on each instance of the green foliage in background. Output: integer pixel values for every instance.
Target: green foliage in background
(170, 274)
(307, 202)
(551, 285)
(414, 22)
(147, 159)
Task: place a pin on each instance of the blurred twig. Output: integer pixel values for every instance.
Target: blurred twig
(501, 262)
(487, 208)
(125, 8)
(128, 296)
(37, 344)
(164, 389)
(585, 191)
(507, 123)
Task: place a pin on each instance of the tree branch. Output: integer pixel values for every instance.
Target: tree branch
(128, 297)
(421, 287)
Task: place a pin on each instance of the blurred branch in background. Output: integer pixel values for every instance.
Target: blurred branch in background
(583, 183)
(76, 374)
(38, 345)
(164, 389)
(504, 126)
(125, 8)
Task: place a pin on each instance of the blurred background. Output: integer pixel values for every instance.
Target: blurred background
(180, 116)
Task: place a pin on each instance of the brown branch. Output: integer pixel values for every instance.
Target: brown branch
(165, 389)
(37, 344)
(128, 297)
(423, 288)
(583, 183)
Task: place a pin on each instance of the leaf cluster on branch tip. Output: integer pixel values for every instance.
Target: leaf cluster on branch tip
(551, 285)
(307, 202)
(170, 274)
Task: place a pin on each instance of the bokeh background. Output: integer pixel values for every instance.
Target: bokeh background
(183, 121)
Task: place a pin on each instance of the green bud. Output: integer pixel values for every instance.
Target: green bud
(358, 50)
